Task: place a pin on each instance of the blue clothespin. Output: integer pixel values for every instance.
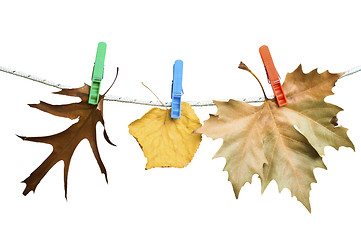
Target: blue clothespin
(177, 90)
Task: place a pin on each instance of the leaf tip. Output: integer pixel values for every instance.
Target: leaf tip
(22, 137)
(27, 188)
(105, 134)
(308, 207)
(106, 177)
(25, 192)
(236, 188)
(299, 70)
(236, 193)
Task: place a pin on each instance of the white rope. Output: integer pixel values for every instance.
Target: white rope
(147, 102)
(33, 78)
(203, 103)
(351, 71)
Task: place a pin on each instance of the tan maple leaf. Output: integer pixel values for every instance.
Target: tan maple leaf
(263, 140)
(65, 143)
(167, 142)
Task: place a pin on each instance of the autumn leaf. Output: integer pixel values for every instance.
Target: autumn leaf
(263, 139)
(167, 142)
(65, 143)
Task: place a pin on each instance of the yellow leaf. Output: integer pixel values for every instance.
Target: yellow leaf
(167, 142)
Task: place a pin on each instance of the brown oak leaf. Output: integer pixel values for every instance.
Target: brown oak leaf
(263, 139)
(64, 143)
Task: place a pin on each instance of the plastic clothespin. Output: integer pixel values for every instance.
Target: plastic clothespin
(177, 90)
(98, 71)
(273, 76)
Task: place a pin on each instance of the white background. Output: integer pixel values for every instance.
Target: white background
(58, 41)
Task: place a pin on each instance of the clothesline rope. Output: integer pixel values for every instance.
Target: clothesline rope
(146, 102)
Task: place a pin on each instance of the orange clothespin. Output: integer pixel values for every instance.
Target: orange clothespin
(273, 76)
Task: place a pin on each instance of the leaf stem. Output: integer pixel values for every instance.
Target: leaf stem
(116, 76)
(244, 67)
(155, 95)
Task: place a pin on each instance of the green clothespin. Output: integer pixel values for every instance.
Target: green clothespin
(98, 71)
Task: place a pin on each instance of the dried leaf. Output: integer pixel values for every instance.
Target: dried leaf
(167, 142)
(263, 140)
(64, 143)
